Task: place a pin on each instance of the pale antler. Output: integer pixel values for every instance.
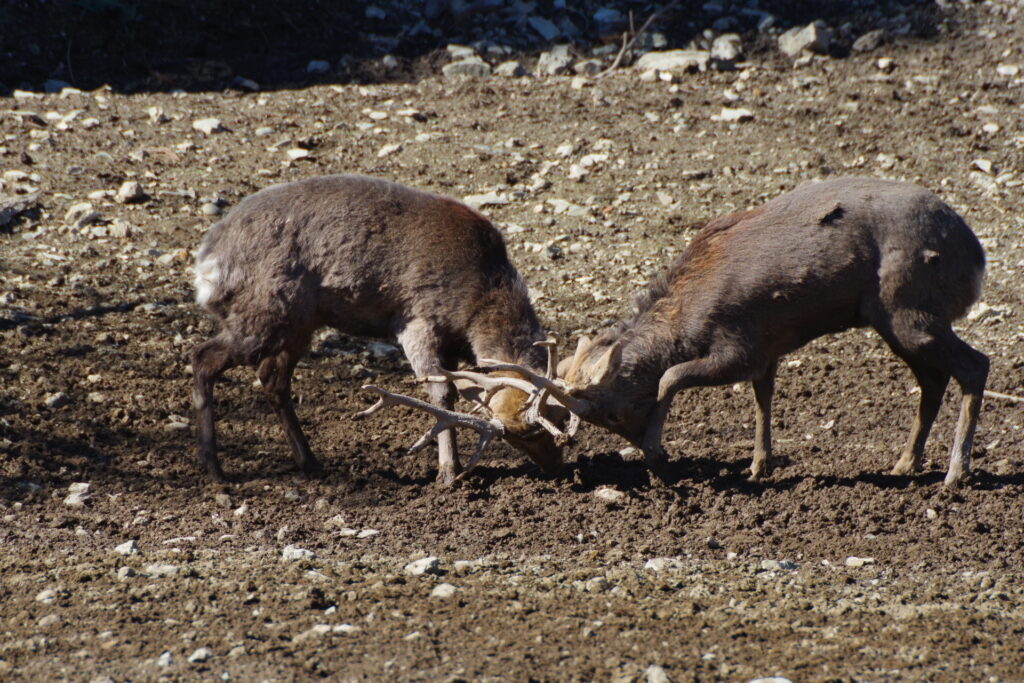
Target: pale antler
(551, 344)
(555, 387)
(446, 419)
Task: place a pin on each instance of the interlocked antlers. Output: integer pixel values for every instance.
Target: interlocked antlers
(446, 419)
(544, 393)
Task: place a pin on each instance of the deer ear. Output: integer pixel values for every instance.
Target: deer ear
(605, 367)
(569, 368)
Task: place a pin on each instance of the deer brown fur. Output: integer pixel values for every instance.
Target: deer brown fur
(755, 285)
(369, 258)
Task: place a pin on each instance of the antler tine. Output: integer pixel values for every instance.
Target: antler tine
(553, 386)
(490, 384)
(487, 429)
(551, 344)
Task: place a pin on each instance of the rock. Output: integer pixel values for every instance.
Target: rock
(1008, 70)
(770, 679)
(490, 199)
(859, 561)
(292, 553)
(165, 660)
(130, 192)
(208, 126)
(81, 215)
(471, 67)
(610, 495)
(78, 494)
(388, 150)
(297, 153)
(555, 62)
(727, 47)
(674, 61)
(200, 655)
(547, 30)
(213, 208)
(870, 40)
(443, 591)
(318, 66)
(777, 565)
(983, 165)
(510, 69)
(886, 64)
(460, 51)
(730, 115)
(127, 548)
(47, 596)
(660, 564)
(383, 351)
(813, 38)
(425, 565)
(48, 621)
(931, 514)
(125, 573)
(366, 533)
(12, 207)
(588, 67)
(57, 400)
(657, 674)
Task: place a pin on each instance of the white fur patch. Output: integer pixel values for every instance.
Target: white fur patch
(207, 279)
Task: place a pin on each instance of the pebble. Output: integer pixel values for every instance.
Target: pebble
(165, 660)
(727, 47)
(771, 679)
(127, 548)
(297, 153)
(811, 38)
(81, 215)
(657, 674)
(730, 115)
(292, 553)
(660, 564)
(388, 150)
(78, 494)
(555, 62)
(674, 61)
(57, 400)
(931, 514)
(460, 51)
(161, 570)
(200, 655)
(425, 565)
(490, 199)
(510, 69)
(852, 561)
(1008, 70)
(471, 67)
(47, 596)
(983, 165)
(130, 192)
(869, 41)
(610, 495)
(125, 573)
(776, 565)
(443, 591)
(208, 126)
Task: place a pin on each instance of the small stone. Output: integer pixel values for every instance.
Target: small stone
(292, 553)
(779, 565)
(1008, 70)
(609, 495)
(730, 115)
(125, 573)
(443, 591)
(983, 165)
(78, 494)
(165, 660)
(263, 131)
(490, 199)
(388, 150)
(555, 62)
(510, 69)
(588, 67)
(367, 533)
(130, 192)
(57, 400)
(811, 38)
(727, 47)
(297, 153)
(200, 655)
(460, 51)
(674, 61)
(869, 41)
(657, 674)
(471, 67)
(157, 116)
(425, 565)
(885, 64)
(212, 208)
(859, 561)
(208, 126)
(318, 66)
(161, 570)
(47, 596)
(931, 514)
(127, 548)
(660, 564)
(80, 215)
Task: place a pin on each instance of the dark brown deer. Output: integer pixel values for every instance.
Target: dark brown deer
(755, 285)
(372, 259)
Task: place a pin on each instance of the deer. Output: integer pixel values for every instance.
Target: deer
(757, 284)
(372, 258)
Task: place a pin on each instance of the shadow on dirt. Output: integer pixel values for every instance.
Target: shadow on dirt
(162, 45)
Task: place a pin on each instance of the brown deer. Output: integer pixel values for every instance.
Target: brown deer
(372, 259)
(755, 285)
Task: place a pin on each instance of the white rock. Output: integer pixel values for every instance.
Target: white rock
(78, 494)
(80, 215)
(425, 565)
(776, 565)
(610, 495)
(983, 165)
(771, 679)
(165, 660)
(366, 533)
(156, 115)
(554, 62)
(489, 199)
(813, 37)
(1008, 70)
(657, 674)
(660, 564)
(443, 591)
(292, 553)
(127, 548)
(852, 561)
(982, 311)
(47, 596)
(346, 629)
(57, 400)
(388, 150)
(200, 655)
(460, 51)
(727, 47)
(730, 115)
(161, 570)
(470, 67)
(125, 573)
(931, 514)
(208, 126)
(297, 153)
(870, 40)
(675, 61)
(130, 192)
(48, 621)
(510, 69)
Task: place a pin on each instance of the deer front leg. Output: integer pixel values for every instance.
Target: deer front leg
(764, 388)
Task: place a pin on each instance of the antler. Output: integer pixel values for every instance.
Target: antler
(446, 419)
(554, 387)
(551, 344)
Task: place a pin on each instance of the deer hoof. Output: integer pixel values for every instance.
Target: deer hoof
(905, 467)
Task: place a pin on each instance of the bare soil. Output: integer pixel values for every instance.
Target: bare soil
(552, 582)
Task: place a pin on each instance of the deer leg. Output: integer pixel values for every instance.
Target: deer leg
(764, 388)
(423, 349)
(209, 361)
(716, 369)
(275, 375)
(970, 368)
(933, 383)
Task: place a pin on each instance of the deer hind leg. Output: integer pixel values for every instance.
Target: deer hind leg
(275, 374)
(422, 346)
(936, 353)
(209, 361)
(764, 389)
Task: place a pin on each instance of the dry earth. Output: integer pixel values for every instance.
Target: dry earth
(714, 579)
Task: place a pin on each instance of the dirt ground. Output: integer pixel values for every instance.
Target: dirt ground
(830, 570)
